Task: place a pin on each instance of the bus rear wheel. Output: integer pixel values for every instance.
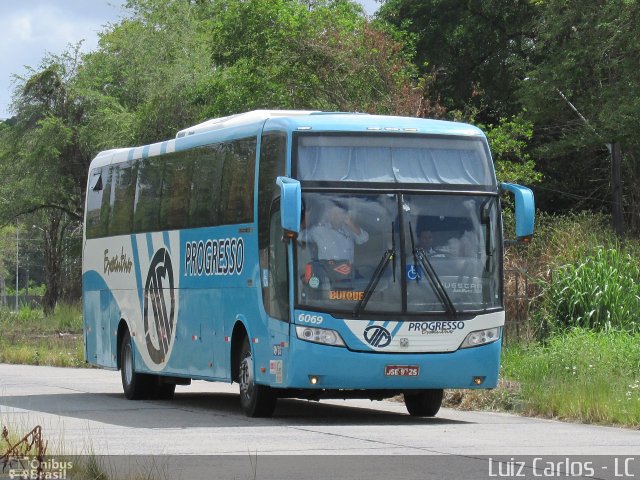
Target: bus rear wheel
(256, 400)
(136, 386)
(425, 403)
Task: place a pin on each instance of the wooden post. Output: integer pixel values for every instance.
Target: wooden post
(616, 189)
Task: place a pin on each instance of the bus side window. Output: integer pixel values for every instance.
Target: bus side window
(278, 293)
(105, 206)
(204, 204)
(237, 181)
(124, 186)
(273, 151)
(94, 203)
(176, 189)
(149, 190)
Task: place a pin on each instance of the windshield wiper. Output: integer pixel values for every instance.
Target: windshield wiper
(420, 255)
(387, 256)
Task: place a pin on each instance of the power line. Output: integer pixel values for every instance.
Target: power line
(576, 196)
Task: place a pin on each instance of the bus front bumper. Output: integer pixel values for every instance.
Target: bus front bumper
(316, 366)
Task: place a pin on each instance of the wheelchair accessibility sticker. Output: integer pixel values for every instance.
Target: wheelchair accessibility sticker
(414, 273)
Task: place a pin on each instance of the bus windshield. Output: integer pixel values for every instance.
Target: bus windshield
(394, 159)
(406, 253)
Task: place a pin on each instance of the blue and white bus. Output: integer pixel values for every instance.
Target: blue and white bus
(300, 254)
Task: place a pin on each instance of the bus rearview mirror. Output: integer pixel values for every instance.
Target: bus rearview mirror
(290, 204)
(525, 210)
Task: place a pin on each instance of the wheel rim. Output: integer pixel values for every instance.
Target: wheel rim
(128, 364)
(246, 378)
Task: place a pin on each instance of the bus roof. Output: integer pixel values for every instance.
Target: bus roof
(240, 119)
(291, 120)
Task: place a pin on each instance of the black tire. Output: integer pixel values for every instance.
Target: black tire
(136, 386)
(164, 389)
(425, 403)
(256, 400)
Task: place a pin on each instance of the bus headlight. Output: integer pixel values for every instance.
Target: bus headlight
(481, 337)
(319, 335)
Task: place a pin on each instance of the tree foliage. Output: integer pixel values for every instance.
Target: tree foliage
(550, 82)
(570, 68)
(508, 141)
(473, 50)
(582, 90)
(169, 64)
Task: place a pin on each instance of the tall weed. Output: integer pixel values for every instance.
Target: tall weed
(67, 317)
(562, 282)
(601, 292)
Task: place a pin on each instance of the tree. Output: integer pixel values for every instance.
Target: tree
(294, 54)
(474, 51)
(42, 163)
(583, 92)
(509, 140)
(142, 78)
(171, 64)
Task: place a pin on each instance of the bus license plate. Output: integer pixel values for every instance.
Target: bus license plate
(402, 370)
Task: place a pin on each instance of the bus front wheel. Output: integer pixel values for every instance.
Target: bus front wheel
(256, 400)
(425, 403)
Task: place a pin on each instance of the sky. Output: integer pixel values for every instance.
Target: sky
(31, 28)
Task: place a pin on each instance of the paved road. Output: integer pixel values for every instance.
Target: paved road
(83, 411)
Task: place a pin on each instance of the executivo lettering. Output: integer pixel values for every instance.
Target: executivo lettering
(117, 263)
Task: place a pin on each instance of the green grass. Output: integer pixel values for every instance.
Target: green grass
(578, 375)
(29, 337)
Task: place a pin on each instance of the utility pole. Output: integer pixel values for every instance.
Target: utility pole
(17, 259)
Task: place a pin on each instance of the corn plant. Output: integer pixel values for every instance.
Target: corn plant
(600, 293)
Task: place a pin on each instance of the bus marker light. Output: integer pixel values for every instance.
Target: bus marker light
(263, 370)
(227, 339)
(478, 380)
(313, 379)
(255, 340)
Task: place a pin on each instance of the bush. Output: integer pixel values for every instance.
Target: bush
(561, 264)
(601, 292)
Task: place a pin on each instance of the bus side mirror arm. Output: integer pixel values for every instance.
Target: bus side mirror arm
(525, 210)
(290, 206)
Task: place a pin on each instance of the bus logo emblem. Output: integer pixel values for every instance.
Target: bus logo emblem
(158, 330)
(377, 336)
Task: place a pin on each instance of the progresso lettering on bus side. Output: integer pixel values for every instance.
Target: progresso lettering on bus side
(224, 256)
